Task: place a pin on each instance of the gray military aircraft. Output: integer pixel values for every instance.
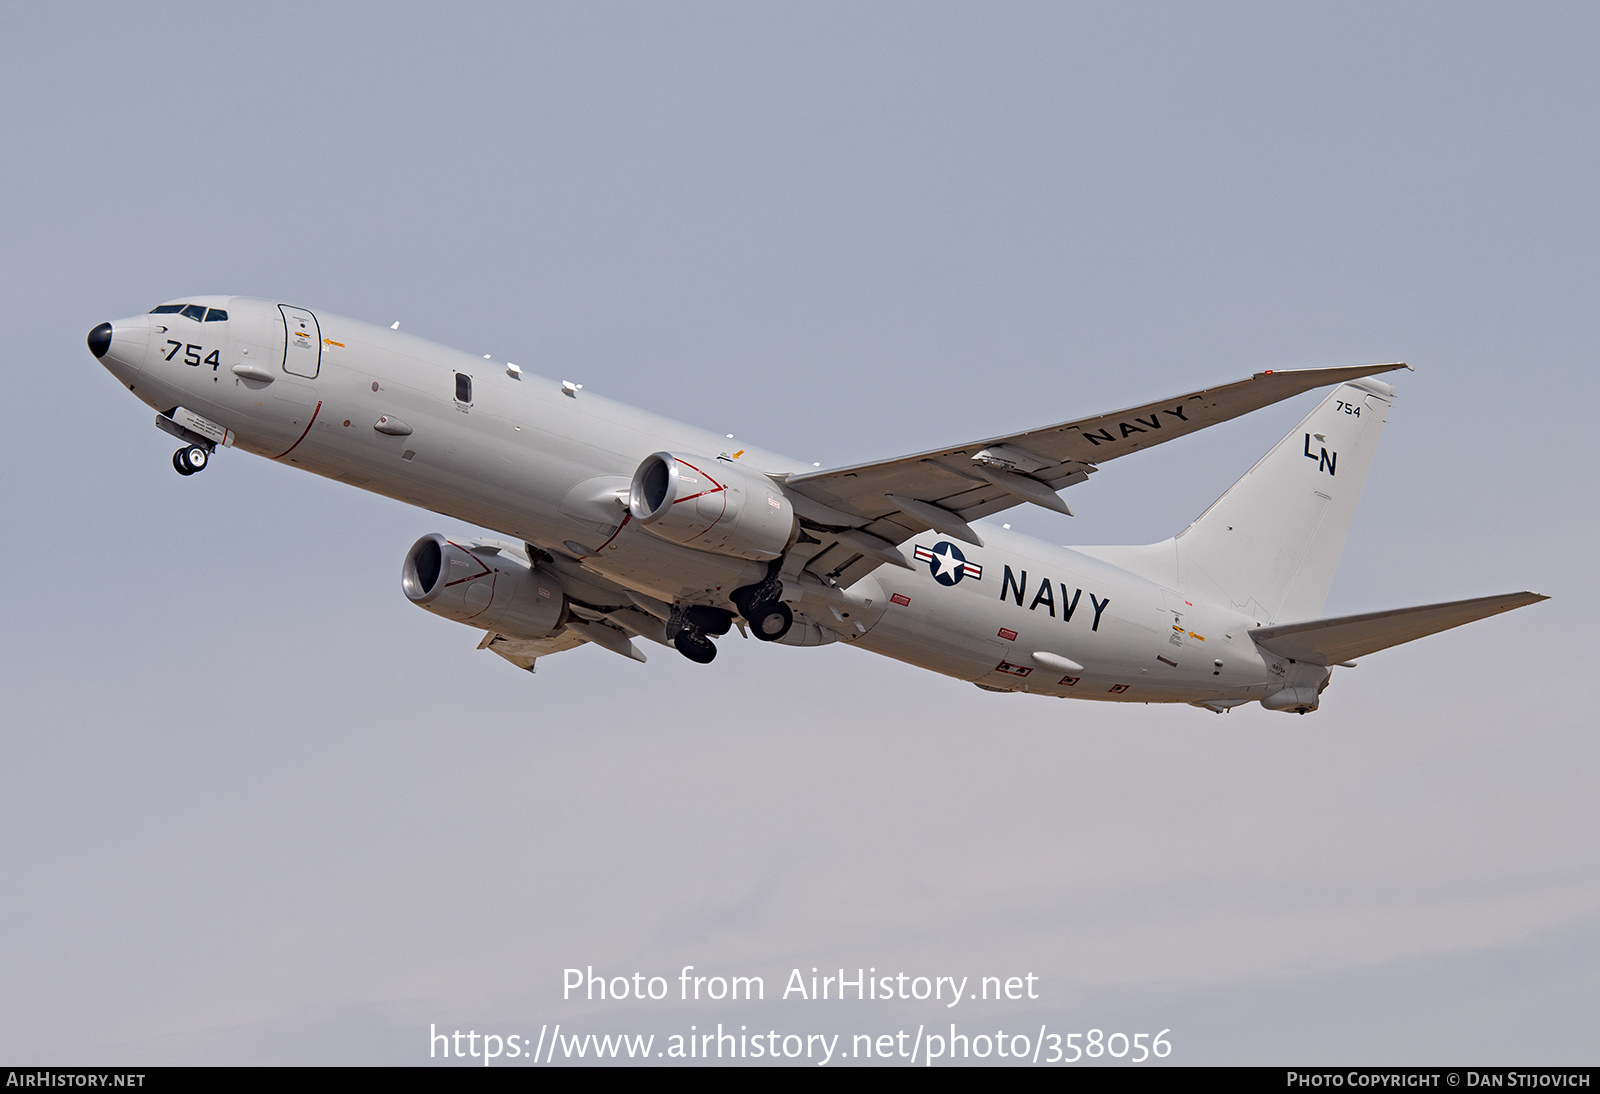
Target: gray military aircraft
(625, 525)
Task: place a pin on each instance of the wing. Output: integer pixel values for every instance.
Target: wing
(854, 517)
(1333, 641)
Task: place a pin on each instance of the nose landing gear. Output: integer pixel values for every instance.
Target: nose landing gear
(198, 442)
(187, 461)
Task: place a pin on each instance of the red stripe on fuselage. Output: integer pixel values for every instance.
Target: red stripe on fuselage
(309, 424)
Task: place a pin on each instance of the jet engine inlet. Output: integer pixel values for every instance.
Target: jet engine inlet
(485, 585)
(712, 505)
(420, 578)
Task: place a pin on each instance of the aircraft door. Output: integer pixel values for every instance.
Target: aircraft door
(302, 342)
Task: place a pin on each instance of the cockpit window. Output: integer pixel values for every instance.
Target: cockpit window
(463, 388)
(166, 309)
(195, 312)
(216, 315)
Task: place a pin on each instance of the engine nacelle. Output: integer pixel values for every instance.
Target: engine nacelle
(712, 505)
(483, 585)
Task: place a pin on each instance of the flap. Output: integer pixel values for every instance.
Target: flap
(522, 652)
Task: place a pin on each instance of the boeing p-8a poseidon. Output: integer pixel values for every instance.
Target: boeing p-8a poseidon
(624, 525)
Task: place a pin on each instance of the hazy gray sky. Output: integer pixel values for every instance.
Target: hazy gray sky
(254, 807)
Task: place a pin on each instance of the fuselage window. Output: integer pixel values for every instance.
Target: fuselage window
(167, 309)
(195, 312)
(463, 388)
(216, 315)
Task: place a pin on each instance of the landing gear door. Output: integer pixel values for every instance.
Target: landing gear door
(302, 342)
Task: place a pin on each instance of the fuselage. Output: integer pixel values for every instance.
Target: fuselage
(482, 441)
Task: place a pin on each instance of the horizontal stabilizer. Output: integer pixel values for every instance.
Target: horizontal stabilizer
(1332, 641)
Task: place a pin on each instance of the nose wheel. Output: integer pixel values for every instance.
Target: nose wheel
(186, 461)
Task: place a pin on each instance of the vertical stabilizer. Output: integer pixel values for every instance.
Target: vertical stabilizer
(1270, 545)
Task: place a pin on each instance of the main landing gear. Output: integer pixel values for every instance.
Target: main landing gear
(695, 646)
(769, 620)
(693, 627)
(769, 617)
(697, 624)
(187, 461)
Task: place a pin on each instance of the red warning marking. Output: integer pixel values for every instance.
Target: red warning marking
(701, 494)
(1012, 670)
(1068, 681)
(716, 487)
(1008, 635)
(625, 518)
(492, 582)
(482, 569)
(901, 599)
(302, 437)
(1118, 689)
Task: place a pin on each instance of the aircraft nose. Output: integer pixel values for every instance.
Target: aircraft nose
(100, 340)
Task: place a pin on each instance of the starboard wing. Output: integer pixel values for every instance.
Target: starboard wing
(855, 516)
